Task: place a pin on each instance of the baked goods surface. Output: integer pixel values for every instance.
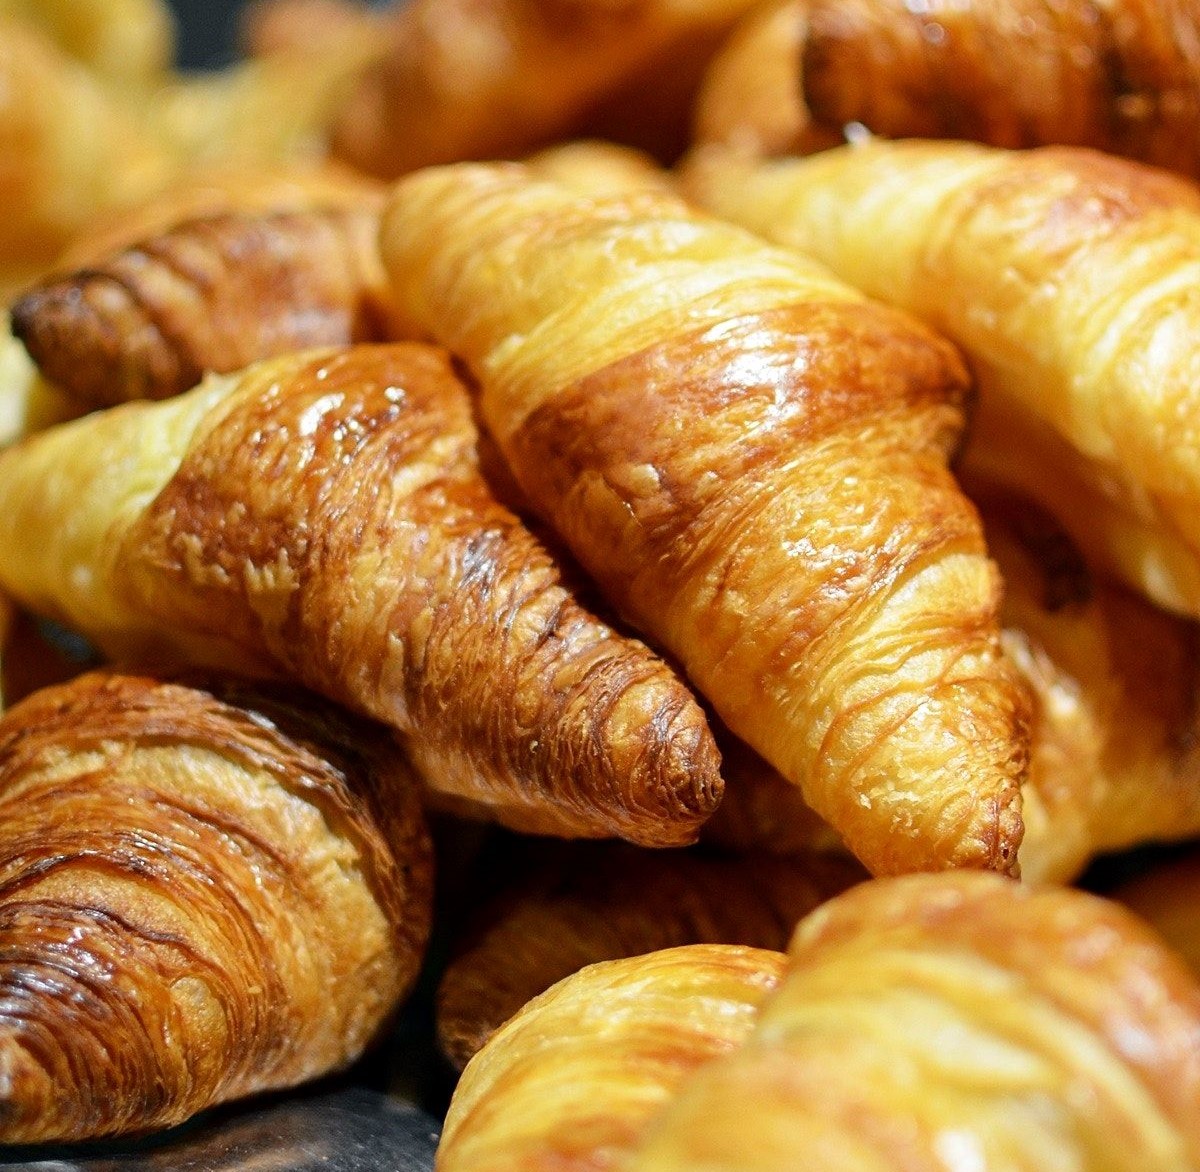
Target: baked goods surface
(871, 558)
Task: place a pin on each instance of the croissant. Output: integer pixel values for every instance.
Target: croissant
(573, 1081)
(924, 1022)
(1114, 760)
(750, 460)
(1065, 276)
(464, 79)
(957, 1020)
(212, 294)
(129, 43)
(566, 909)
(599, 167)
(1119, 75)
(205, 891)
(323, 516)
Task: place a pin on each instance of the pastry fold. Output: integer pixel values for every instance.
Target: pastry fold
(750, 460)
(1068, 278)
(207, 890)
(323, 516)
(212, 294)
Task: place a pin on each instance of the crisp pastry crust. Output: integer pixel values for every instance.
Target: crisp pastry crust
(750, 460)
(1122, 76)
(206, 891)
(955, 1020)
(574, 1079)
(213, 294)
(563, 909)
(323, 516)
(1068, 278)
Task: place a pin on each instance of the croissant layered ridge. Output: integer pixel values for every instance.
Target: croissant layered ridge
(212, 294)
(750, 460)
(1067, 277)
(323, 516)
(207, 890)
(930, 1019)
(574, 1080)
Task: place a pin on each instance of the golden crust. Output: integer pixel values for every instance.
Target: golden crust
(578, 1074)
(565, 909)
(206, 892)
(213, 294)
(957, 1017)
(1068, 279)
(750, 460)
(323, 516)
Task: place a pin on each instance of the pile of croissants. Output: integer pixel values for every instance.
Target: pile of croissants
(760, 439)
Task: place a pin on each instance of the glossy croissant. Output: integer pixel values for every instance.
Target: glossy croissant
(750, 460)
(322, 516)
(213, 294)
(1066, 277)
(922, 1022)
(207, 890)
(574, 1079)
(563, 909)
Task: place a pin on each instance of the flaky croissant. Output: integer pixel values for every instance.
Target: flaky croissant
(922, 1022)
(323, 515)
(574, 1079)
(213, 294)
(563, 909)
(464, 79)
(1067, 278)
(206, 891)
(750, 459)
(1119, 75)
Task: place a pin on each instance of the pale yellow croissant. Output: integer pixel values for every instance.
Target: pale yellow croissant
(924, 1022)
(323, 516)
(1067, 277)
(207, 890)
(572, 1081)
(750, 459)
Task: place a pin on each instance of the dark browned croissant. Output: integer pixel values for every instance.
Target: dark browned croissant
(570, 907)
(323, 515)
(213, 294)
(751, 461)
(206, 891)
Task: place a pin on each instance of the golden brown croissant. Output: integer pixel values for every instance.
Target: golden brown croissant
(213, 294)
(750, 460)
(1119, 75)
(1066, 276)
(957, 1021)
(206, 891)
(129, 43)
(567, 908)
(923, 1022)
(323, 515)
(575, 1078)
(465, 79)
(1114, 760)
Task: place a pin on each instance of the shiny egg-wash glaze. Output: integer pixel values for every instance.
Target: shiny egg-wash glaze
(750, 459)
(323, 516)
(206, 891)
(213, 294)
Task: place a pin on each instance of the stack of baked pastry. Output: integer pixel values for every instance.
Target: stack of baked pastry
(781, 485)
